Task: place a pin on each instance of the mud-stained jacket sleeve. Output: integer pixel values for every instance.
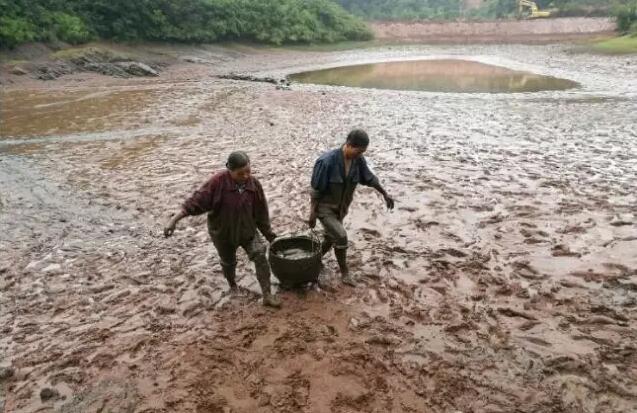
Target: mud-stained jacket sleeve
(202, 200)
(367, 177)
(320, 178)
(262, 213)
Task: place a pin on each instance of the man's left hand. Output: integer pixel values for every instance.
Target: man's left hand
(389, 201)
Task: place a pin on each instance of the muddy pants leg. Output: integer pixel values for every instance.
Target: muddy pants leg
(338, 236)
(326, 245)
(228, 258)
(256, 253)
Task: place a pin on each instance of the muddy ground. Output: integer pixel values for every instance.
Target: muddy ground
(505, 281)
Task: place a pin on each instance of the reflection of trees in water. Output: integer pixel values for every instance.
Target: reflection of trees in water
(518, 82)
(445, 75)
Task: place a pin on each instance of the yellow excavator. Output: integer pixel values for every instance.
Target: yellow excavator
(528, 9)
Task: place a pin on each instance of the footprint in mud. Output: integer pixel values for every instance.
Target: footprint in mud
(534, 236)
(525, 270)
(524, 211)
(481, 207)
(453, 252)
(346, 403)
(425, 225)
(537, 340)
(591, 276)
(452, 236)
(528, 325)
(620, 269)
(493, 219)
(528, 224)
(106, 396)
(370, 232)
(561, 250)
(291, 394)
(622, 220)
(510, 312)
(103, 360)
(573, 229)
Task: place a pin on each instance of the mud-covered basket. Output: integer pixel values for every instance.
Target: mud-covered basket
(294, 271)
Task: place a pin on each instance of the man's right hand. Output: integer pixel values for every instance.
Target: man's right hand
(170, 228)
(312, 221)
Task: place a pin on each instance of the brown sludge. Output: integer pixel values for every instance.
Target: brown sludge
(505, 281)
(294, 254)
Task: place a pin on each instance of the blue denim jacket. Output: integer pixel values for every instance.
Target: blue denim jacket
(332, 188)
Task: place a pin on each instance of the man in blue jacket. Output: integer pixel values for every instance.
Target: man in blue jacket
(335, 177)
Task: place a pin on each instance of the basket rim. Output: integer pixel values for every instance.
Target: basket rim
(274, 249)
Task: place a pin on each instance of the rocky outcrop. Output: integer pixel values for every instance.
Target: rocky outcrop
(121, 69)
(53, 70)
(19, 71)
(250, 78)
(137, 69)
(281, 84)
(92, 59)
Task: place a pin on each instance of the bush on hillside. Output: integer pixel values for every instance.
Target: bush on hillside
(15, 30)
(626, 16)
(268, 21)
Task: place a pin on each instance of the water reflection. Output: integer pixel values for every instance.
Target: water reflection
(445, 75)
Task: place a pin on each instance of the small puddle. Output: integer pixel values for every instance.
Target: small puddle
(445, 75)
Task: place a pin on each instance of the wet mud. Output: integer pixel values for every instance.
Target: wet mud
(504, 281)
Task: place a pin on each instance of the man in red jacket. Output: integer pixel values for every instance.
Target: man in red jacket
(236, 207)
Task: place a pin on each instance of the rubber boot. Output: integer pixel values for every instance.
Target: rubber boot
(341, 257)
(230, 273)
(269, 299)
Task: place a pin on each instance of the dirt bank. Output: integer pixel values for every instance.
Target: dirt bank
(505, 281)
(501, 31)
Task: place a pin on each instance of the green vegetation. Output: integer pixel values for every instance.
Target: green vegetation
(617, 45)
(626, 15)
(267, 21)
(263, 21)
(490, 9)
(494, 9)
(404, 9)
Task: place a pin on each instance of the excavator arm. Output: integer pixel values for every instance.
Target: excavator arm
(533, 10)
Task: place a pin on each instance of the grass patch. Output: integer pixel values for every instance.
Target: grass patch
(17, 62)
(90, 53)
(617, 45)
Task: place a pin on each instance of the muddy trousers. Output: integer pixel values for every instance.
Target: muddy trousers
(256, 249)
(335, 236)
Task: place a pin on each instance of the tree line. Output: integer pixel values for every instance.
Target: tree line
(405, 9)
(489, 9)
(267, 21)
